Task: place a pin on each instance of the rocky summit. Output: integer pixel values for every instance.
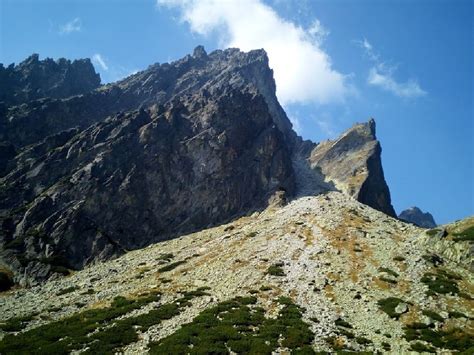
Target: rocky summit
(416, 216)
(176, 211)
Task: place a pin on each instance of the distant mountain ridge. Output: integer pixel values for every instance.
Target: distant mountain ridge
(175, 148)
(416, 216)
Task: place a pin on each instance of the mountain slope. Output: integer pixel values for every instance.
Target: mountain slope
(365, 281)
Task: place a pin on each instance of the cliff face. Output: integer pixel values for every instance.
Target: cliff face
(416, 216)
(352, 163)
(34, 79)
(175, 148)
(204, 147)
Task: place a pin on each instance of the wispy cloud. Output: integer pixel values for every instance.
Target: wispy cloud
(303, 70)
(98, 60)
(74, 25)
(382, 75)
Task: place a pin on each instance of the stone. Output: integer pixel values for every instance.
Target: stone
(401, 308)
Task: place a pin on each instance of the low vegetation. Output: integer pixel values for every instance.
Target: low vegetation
(97, 331)
(467, 235)
(388, 305)
(240, 326)
(67, 290)
(171, 266)
(388, 271)
(454, 339)
(441, 282)
(276, 270)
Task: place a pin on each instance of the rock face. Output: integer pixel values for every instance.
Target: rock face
(172, 149)
(34, 79)
(206, 145)
(353, 164)
(416, 216)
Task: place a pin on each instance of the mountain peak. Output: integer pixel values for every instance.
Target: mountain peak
(416, 216)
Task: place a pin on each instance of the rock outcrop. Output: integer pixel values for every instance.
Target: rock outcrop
(33, 79)
(353, 164)
(416, 216)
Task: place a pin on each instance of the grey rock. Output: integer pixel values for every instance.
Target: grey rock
(210, 149)
(401, 308)
(353, 164)
(33, 79)
(416, 216)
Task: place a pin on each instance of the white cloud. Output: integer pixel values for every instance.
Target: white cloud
(381, 75)
(74, 25)
(318, 31)
(302, 69)
(384, 80)
(98, 60)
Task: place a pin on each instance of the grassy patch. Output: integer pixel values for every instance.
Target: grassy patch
(441, 282)
(388, 271)
(388, 280)
(388, 305)
(467, 235)
(98, 330)
(240, 326)
(16, 324)
(455, 339)
(171, 266)
(433, 232)
(433, 315)
(455, 314)
(342, 323)
(165, 257)
(363, 341)
(276, 270)
(67, 290)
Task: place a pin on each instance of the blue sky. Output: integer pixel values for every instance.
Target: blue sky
(408, 64)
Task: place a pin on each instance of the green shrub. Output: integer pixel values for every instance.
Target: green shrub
(433, 315)
(388, 306)
(275, 270)
(441, 282)
(386, 279)
(467, 235)
(16, 324)
(99, 330)
(67, 290)
(342, 323)
(165, 257)
(455, 314)
(171, 266)
(363, 341)
(239, 325)
(433, 232)
(420, 347)
(388, 271)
